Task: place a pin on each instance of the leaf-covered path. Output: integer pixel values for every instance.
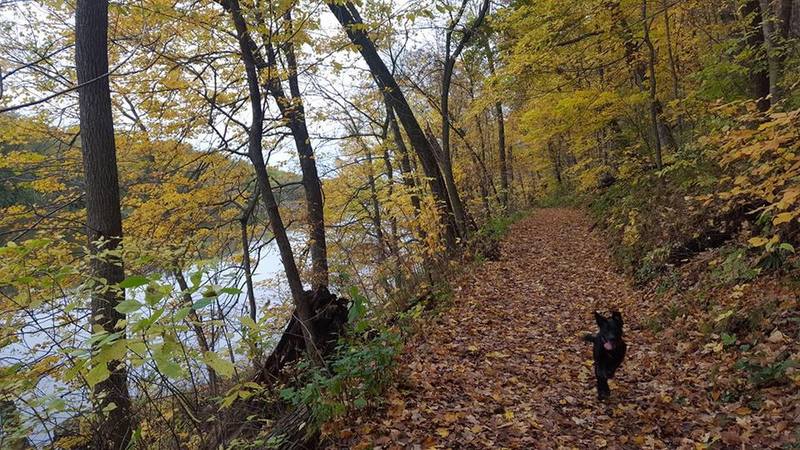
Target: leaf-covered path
(505, 366)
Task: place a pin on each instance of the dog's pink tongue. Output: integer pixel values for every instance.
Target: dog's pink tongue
(608, 346)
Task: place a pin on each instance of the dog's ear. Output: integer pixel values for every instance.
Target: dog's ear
(599, 319)
(617, 316)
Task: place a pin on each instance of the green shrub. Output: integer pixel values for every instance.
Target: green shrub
(735, 268)
(354, 379)
(766, 375)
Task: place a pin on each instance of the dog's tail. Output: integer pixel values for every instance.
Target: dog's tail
(588, 337)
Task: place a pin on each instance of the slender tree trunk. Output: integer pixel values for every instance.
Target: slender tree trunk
(555, 158)
(501, 145)
(293, 110)
(255, 136)
(446, 160)
(654, 103)
(405, 165)
(449, 182)
(479, 159)
(660, 128)
(196, 325)
(510, 175)
(673, 66)
(103, 216)
(248, 271)
(486, 179)
(773, 57)
(785, 20)
(394, 243)
(347, 15)
(252, 308)
(759, 76)
(673, 63)
(447, 77)
(377, 222)
(501, 136)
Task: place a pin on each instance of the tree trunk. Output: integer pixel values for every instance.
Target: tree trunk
(555, 158)
(103, 216)
(770, 47)
(673, 62)
(347, 15)
(394, 241)
(247, 213)
(294, 112)
(248, 271)
(405, 163)
(510, 176)
(255, 136)
(501, 137)
(658, 131)
(501, 145)
(486, 180)
(446, 160)
(447, 77)
(785, 14)
(452, 191)
(194, 318)
(759, 76)
(639, 69)
(377, 221)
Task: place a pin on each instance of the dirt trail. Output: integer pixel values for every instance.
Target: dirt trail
(506, 367)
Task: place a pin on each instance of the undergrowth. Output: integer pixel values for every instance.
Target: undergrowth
(363, 364)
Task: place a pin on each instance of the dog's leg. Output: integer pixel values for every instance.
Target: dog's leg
(603, 391)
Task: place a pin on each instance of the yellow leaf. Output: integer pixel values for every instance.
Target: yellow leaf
(443, 432)
(450, 417)
(783, 218)
(757, 241)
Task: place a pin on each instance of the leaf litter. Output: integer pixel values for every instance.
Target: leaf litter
(505, 365)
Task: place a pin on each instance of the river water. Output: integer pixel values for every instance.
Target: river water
(44, 335)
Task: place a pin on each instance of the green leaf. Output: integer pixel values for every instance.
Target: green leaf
(148, 322)
(357, 310)
(154, 294)
(133, 281)
(128, 306)
(249, 323)
(728, 339)
(99, 373)
(229, 399)
(166, 366)
(220, 365)
(109, 407)
(138, 348)
(182, 313)
(115, 351)
(57, 404)
(202, 303)
(724, 315)
(230, 291)
(195, 278)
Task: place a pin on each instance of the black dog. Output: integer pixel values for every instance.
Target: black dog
(609, 350)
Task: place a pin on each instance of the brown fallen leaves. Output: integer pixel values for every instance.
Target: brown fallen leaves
(506, 367)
